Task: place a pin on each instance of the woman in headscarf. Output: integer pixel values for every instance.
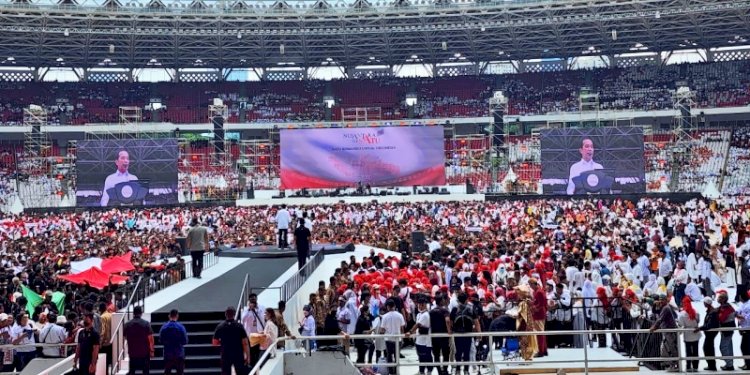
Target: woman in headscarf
(651, 286)
(525, 323)
(579, 320)
(577, 282)
(500, 275)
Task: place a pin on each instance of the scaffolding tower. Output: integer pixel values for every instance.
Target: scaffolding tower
(36, 140)
(683, 128)
(43, 179)
(130, 119)
(500, 132)
(361, 115)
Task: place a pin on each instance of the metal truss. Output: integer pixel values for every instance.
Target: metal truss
(260, 34)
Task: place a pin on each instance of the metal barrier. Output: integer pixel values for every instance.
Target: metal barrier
(118, 334)
(493, 361)
(243, 297)
(145, 287)
(299, 278)
(65, 365)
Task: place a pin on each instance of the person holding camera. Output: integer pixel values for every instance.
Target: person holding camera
(23, 336)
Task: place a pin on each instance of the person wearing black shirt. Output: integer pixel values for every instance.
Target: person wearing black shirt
(330, 328)
(363, 325)
(235, 348)
(440, 323)
(464, 321)
(87, 350)
(140, 338)
(302, 241)
(711, 321)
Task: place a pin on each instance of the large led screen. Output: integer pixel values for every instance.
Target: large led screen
(126, 172)
(592, 161)
(345, 157)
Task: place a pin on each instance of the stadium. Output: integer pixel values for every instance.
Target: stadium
(550, 166)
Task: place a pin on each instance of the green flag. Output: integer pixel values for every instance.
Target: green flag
(33, 299)
(58, 298)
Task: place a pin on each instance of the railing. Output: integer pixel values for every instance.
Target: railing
(492, 360)
(64, 366)
(295, 282)
(145, 287)
(118, 334)
(243, 296)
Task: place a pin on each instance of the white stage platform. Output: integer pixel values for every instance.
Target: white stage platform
(267, 201)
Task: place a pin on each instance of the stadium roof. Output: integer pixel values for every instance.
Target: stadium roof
(245, 33)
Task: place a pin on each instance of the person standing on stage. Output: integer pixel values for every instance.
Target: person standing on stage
(302, 242)
(282, 224)
(197, 243)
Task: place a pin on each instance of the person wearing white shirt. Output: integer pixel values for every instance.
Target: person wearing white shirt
(23, 336)
(423, 342)
(586, 164)
(53, 333)
(693, 291)
(665, 266)
(121, 175)
(392, 324)
(252, 320)
(283, 219)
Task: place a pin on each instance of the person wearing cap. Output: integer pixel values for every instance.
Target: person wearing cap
(87, 351)
(53, 333)
(140, 338)
(231, 336)
(710, 322)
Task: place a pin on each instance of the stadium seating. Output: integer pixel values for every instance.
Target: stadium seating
(716, 84)
(737, 177)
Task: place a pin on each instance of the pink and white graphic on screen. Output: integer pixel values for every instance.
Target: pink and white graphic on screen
(343, 157)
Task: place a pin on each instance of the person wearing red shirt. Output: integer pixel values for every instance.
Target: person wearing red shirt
(539, 314)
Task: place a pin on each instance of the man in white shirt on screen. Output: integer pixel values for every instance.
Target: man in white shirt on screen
(121, 175)
(586, 164)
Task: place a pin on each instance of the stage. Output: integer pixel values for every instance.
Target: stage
(258, 252)
(266, 200)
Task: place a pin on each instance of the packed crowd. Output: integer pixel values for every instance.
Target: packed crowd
(717, 84)
(535, 265)
(544, 266)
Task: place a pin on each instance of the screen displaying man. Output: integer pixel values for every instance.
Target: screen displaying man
(121, 175)
(586, 164)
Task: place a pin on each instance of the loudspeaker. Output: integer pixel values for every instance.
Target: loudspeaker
(218, 122)
(470, 188)
(418, 242)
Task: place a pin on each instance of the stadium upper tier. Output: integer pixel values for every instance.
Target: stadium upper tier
(351, 33)
(723, 84)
